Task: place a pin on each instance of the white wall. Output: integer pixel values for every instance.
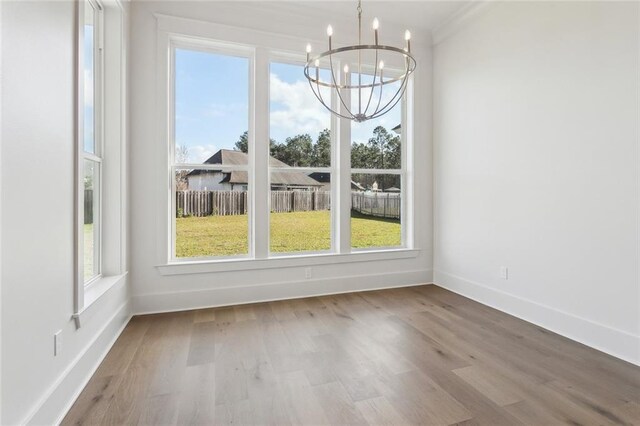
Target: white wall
(156, 292)
(536, 154)
(210, 182)
(38, 268)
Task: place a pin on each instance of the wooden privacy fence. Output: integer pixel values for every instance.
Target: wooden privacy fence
(379, 204)
(225, 203)
(300, 201)
(88, 206)
(206, 203)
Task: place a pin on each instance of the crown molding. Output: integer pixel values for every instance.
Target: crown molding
(460, 19)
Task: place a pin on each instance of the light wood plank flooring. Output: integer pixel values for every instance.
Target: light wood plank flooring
(419, 355)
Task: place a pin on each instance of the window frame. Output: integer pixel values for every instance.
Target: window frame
(267, 48)
(405, 242)
(95, 157)
(286, 58)
(110, 106)
(217, 48)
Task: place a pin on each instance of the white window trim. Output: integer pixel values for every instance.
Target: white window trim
(195, 44)
(282, 57)
(297, 260)
(170, 28)
(110, 152)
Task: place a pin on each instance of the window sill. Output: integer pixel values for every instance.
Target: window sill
(207, 266)
(93, 292)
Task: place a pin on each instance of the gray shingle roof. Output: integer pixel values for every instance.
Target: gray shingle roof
(229, 157)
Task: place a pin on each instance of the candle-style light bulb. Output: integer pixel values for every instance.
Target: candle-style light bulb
(375, 26)
(329, 30)
(381, 65)
(308, 47)
(317, 63)
(407, 35)
(346, 69)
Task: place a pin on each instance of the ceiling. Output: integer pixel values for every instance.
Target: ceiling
(415, 15)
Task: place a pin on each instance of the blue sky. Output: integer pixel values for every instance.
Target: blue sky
(212, 98)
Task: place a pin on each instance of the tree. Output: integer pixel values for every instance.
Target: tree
(299, 150)
(243, 142)
(361, 156)
(380, 145)
(182, 156)
(321, 156)
(382, 151)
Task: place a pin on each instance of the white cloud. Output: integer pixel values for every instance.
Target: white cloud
(299, 111)
(200, 153)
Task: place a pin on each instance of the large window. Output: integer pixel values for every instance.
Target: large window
(254, 160)
(376, 167)
(100, 169)
(90, 194)
(300, 163)
(211, 154)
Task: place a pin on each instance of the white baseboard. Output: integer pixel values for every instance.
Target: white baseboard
(57, 401)
(236, 295)
(617, 343)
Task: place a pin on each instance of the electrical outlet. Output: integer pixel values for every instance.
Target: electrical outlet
(57, 343)
(504, 272)
(307, 273)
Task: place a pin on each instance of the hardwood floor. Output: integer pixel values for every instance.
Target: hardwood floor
(419, 355)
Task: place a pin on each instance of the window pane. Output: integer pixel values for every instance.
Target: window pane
(376, 142)
(91, 219)
(300, 211)
(211, 105)
(212, 212)
(299, 124)
(89, 78)
(375, 211)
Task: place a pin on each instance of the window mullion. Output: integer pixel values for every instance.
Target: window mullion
(343, 168)
(259, 154)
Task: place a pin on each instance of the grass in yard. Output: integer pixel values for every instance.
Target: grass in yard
(290, 232)
(300, 231)
(212, 236)
(370, 231)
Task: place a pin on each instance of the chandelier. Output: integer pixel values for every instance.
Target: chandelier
(363, 93)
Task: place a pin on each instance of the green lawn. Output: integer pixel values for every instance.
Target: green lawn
(290, 232)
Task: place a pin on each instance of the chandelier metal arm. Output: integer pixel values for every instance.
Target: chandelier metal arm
(379, 100)
(330, 53)
(378, 81)
(328, 108)
(374, 84)
(333, 78)
(318, 87)
(395, 101)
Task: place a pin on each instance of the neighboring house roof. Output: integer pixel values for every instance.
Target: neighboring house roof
(392, 189)
(398, 129)
(326, 178)
(229, 157)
